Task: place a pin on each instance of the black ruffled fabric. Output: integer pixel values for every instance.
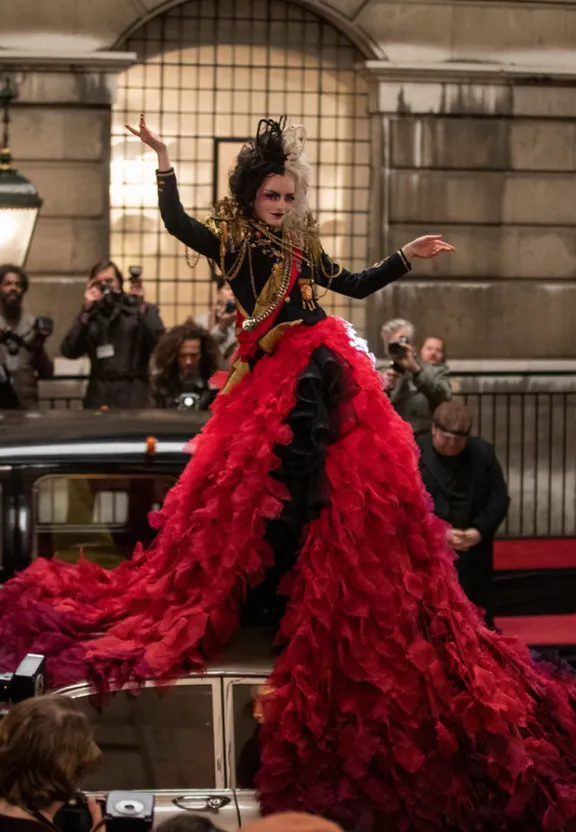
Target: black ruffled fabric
(316, 421)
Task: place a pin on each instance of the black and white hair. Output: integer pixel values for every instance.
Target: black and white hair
(277, 149)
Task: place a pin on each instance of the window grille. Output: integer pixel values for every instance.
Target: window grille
(208, 71)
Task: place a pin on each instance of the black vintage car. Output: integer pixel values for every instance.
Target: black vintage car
(73, 481)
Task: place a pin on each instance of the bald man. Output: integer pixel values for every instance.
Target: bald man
(292, 822)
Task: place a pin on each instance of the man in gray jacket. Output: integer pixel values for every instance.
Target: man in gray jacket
(414, 387)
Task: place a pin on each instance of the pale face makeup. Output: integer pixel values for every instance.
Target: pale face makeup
(275, 199)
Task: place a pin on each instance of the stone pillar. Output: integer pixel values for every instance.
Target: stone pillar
(486, 155)
(60, 140)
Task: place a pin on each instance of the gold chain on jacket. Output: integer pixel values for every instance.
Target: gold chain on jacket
(238, 235)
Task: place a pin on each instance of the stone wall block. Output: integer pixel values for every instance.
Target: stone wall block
(483, 319)
(543, 145)
(53, 134)
(467, 143)
(446, 197)
(496, 252)
(68, 189)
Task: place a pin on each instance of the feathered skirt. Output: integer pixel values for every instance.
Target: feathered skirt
(392, 707)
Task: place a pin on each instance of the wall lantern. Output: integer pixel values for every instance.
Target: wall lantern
(19, 199)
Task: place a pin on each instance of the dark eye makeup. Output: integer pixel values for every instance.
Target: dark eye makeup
(276, 196)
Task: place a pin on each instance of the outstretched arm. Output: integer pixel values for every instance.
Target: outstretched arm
(363, 284)
(180, 224)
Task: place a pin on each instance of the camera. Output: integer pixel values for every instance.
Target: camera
(122, 811)
(230, 306)
(134, 273)
(28, 680)
(43, 326)
(397, 349)
(75, 815)
(112, 299)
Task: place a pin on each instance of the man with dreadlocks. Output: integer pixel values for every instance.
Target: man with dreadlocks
(184, 361)
(390, 706)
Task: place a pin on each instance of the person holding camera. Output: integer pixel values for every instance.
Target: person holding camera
(415, 387)
(23, 356)
(220, 322)
(118, 331)
(46, 748)
(184, 361)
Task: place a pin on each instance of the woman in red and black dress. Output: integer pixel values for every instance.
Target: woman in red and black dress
(390, 706)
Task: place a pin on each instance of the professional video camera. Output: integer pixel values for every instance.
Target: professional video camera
(29, 679)
(122, 811)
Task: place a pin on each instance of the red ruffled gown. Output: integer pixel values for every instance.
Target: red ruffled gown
(394, 708)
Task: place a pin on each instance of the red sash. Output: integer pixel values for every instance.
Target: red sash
(248, 341)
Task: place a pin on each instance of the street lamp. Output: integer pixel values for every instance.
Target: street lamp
(19, 199)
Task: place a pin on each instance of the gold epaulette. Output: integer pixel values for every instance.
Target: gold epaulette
(227, 223)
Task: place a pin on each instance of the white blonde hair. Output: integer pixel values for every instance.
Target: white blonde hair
(297, 166)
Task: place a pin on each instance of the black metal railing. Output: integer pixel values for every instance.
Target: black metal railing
(533, 434)
(535, 441)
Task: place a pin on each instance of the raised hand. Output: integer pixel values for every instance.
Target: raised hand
(153, 140)
(92, 295)
(428, 246)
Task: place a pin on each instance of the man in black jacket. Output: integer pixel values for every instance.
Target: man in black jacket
(465, 481)
(118, 332)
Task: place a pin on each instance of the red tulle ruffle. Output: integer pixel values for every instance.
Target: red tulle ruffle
(393, 707)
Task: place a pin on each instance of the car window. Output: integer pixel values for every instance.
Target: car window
(101, 516)
(245, 747)
(159, 738)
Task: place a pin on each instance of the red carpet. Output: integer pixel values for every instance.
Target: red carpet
(538, 554)
(541, 629)
(535, 554)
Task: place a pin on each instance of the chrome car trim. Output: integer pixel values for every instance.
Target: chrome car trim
(83, 449)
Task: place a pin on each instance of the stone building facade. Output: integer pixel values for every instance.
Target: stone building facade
(471, 113)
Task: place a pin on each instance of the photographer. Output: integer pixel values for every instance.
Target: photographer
(46, 747)
(415, 387)
(220, 322)
(118, 331)
(23, 356)
(184, 361)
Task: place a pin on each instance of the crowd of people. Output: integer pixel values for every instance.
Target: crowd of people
(134, 363)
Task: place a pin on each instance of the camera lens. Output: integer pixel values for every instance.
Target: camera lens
(129, 807)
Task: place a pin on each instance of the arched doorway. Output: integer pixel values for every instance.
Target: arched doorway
(208, 70)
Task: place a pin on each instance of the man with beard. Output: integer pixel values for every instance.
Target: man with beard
(23, 356)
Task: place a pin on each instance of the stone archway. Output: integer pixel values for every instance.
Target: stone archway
(206, 73)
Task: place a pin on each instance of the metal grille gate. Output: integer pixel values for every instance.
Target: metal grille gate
(208, 70)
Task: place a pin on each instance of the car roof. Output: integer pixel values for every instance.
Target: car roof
(86, 433)
(250, 653)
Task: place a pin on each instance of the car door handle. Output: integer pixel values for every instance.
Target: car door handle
(210, 803)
